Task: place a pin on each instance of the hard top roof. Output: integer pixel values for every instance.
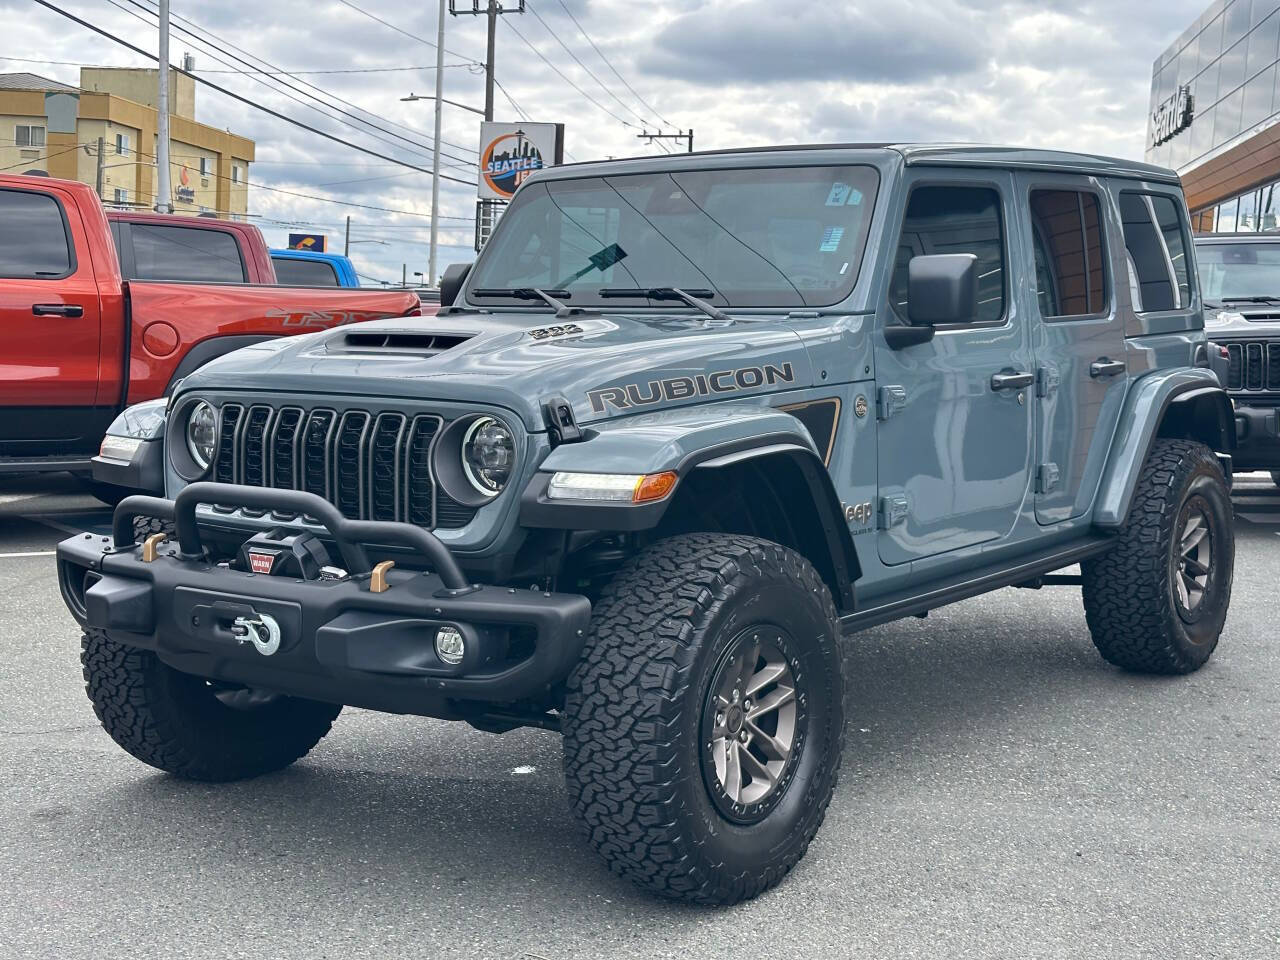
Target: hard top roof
(913, 154)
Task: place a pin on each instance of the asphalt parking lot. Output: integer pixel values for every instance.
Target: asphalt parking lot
(1006, 794)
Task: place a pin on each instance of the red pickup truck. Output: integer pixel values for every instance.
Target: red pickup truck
(79, 341)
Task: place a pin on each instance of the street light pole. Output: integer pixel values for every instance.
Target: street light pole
(435, 162)
(164, 196)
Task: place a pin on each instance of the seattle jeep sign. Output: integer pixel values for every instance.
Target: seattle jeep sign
(1172, 116)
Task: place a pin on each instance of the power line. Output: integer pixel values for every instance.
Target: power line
(208, 43)
(47, 156)
(541, 56)
(644, 103)
(241, 99)
(412, 36)
(81, 63)
(590, 73)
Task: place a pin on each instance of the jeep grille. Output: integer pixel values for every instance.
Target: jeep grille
(371, 466)
(1253, 365)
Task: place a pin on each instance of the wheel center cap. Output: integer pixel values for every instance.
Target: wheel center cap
(733, 719)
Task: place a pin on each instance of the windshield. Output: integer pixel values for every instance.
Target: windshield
(1238, 270)
(778, 237)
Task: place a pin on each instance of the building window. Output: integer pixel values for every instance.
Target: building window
(205, 166)
(28, 136)
(122, 144)
(122, 197)
(235, 174)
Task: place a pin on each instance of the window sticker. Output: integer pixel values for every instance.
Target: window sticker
(855, 198)
(831, 238)
(840, 193)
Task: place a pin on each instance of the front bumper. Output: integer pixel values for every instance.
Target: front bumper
(1257, 437)
(340, 641)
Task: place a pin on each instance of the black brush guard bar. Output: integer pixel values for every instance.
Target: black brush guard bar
(351, 536)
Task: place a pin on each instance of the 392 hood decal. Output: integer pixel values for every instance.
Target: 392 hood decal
(668, 389)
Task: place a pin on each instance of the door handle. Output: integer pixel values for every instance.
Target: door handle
(1102, 367)
(57, 310)
(1011, 381)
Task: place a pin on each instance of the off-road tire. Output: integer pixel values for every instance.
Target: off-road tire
(175, 722)
(144, 527)
(632, 736)
(1129, 592)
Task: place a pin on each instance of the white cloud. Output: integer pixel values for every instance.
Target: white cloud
(739, 72)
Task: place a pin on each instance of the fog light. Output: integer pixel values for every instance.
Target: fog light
(450, 647)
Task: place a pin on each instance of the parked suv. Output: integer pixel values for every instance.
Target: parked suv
(1240, 280)
(689, 424)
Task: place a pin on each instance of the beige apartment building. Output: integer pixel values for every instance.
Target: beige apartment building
(56, 128)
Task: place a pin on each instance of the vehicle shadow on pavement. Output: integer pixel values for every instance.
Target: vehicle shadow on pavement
(995, 683)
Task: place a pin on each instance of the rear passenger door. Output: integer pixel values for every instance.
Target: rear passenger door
(1081, 372)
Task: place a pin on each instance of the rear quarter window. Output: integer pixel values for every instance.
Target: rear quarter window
(34, 243)
(1156, 247)
(304, 273)
(186, 253)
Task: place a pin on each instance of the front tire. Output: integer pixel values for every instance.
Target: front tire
(1156, 602)
(684, 786)
(186, 726)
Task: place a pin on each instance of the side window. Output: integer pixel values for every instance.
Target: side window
(33, 237)
(1070, 272)
(184, 253)
(304, 273)
(946, 219)
(1155, 243)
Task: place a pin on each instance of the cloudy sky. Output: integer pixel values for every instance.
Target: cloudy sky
(739, 72)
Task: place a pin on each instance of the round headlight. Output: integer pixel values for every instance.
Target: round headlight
(202, 430)
(488, 454)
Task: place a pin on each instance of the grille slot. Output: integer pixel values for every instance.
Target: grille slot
(1253, 365)
(370, 465)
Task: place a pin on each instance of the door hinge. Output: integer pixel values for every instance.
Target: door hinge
(889, 400)
(1047, 380)
(1047, 477)
(893, 511)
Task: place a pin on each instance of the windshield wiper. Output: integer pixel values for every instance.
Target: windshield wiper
(1251, 299)
(551, 297)
(692, 297)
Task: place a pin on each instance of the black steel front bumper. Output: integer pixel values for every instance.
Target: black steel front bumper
(340, 641)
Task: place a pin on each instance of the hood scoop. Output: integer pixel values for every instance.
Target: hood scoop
(396, 341)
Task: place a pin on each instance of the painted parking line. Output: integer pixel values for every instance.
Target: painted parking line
(30, 553)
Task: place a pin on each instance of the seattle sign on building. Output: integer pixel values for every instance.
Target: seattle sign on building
(1172, 116)
(510, 152)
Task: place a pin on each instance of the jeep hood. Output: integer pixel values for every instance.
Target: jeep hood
(604, 365)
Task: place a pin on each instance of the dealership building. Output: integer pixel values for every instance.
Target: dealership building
(103, 133)
(1215, 115)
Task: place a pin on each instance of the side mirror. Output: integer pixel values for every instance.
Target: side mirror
(942, 289)
(455, 275)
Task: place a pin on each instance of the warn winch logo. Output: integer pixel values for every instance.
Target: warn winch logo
(681, 388)
(260, 562)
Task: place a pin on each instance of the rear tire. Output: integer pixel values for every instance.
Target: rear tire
(183, 725)
(683, 785)
(1156, 602)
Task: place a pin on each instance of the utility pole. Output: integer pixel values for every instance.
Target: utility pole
(491, 10)
(404, 275)
(100, 180)
(678, 135)
(435, 160)
(164, 195)
(346, 247)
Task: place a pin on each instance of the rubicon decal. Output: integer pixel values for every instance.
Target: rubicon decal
(681, 388)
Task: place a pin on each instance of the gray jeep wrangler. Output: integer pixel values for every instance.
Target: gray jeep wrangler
(1240, 281)
(687, 425)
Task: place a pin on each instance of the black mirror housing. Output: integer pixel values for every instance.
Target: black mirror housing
(455, 275)
(942, 289)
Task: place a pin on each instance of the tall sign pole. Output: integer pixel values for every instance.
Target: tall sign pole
(435, 160)
(164, 195)
(490, 49)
